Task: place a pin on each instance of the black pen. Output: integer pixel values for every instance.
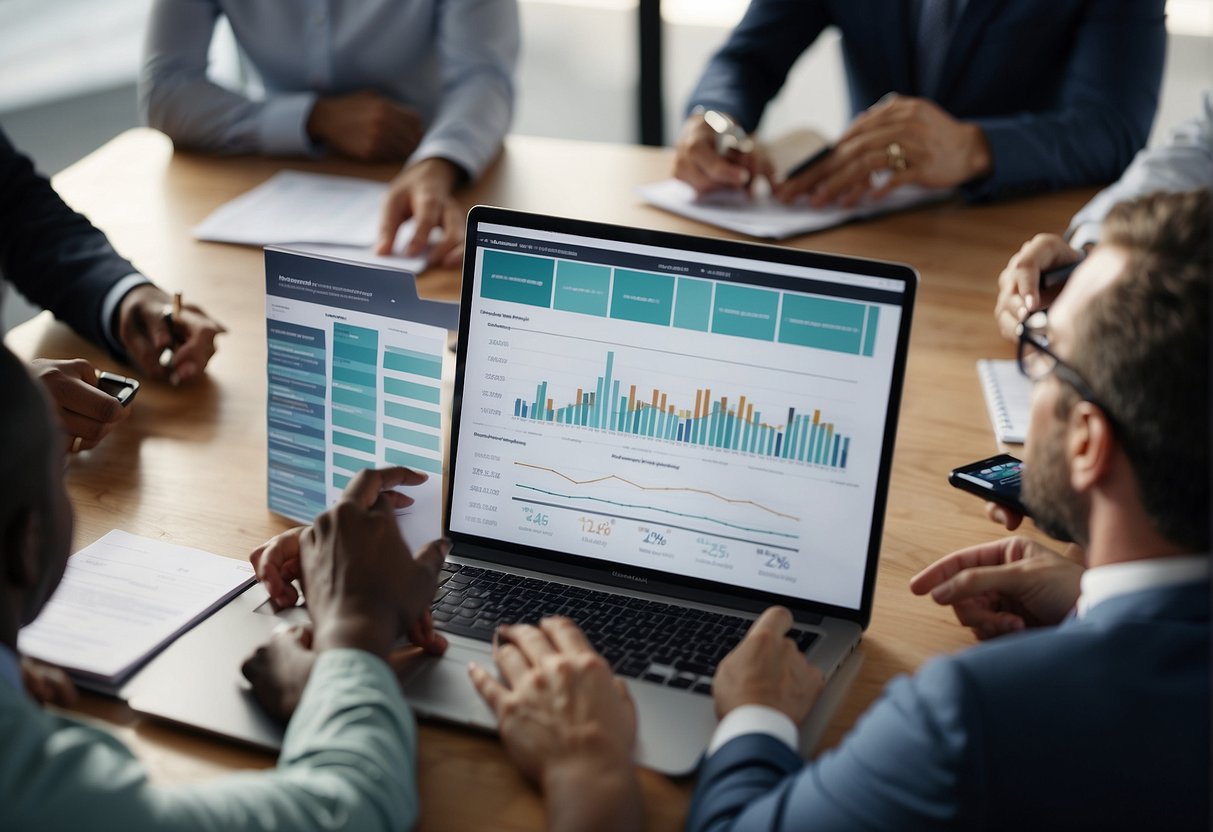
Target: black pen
(809, 162)
(1055, 277)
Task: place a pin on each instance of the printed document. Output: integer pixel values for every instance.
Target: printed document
(123, 599)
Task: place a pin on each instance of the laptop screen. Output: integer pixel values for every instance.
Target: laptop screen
(706, 413)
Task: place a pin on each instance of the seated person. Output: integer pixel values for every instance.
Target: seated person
(427, 82)
(58, 260)
(993, 99)
(1090, 710)
(1183, 162)
(348, 759)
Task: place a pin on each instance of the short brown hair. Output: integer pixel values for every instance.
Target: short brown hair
(1143, 346)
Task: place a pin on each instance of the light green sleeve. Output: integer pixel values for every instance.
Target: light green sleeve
(347, 762)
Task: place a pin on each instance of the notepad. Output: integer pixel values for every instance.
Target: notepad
(122, 600)
(1008, 399)
(759, 214)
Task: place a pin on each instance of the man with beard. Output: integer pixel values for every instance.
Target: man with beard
(1091, 708)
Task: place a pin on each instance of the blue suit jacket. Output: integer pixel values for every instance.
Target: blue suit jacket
(53, 256)
(1065, 90)
(1100, 723)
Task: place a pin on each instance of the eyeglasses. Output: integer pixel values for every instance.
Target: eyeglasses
(1037, 361)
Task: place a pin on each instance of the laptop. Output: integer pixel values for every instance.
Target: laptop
(656, 435)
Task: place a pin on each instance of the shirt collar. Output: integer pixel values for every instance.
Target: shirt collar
(10, 668)
(1104, 582)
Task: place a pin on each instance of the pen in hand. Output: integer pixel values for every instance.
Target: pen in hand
(172, 314)
(1057, 276)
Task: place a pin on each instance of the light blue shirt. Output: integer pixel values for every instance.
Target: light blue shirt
(450, 60)
(347, 762)
(10, 667)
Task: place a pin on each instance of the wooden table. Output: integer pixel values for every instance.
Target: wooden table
(189, 465)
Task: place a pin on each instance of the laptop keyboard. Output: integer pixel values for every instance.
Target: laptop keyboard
(678, 647)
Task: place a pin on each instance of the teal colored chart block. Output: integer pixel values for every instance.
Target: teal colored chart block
(517, 278)
(745, 311)
(643, 297)
(410, 361)
(822, 323)
(416, 415)
(416, 438)
(583, 288)
(412, 390)
(421, 463)
(354, 443)
(693, 304)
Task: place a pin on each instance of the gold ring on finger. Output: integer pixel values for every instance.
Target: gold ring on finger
(896, 157)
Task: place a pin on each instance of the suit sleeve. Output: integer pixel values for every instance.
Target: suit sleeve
(176, 98)
(1105, 107)
(478, 41)
(54, 256)
(751, 67)
(909, 764)
(347, 763)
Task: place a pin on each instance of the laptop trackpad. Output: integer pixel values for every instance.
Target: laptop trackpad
(441, 689)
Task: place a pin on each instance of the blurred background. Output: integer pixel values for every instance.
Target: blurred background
(68, 69)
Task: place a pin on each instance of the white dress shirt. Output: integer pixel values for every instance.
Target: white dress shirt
(1184, 163)
(450, 60)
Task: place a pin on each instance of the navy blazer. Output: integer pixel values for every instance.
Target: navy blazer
(54, 256)
(1100, 723)
(1065, 90)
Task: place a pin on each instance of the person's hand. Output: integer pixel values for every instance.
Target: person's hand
(425, 191)
(86, 412)
(366, 126)
(362, 584)
(276, 562)
(47, 685)
(1004, 586)
(1019, 284)
(1005, 516)
(279, 669)
(567, 723)
(768, 669)
(938, 151)
(145, 334)
(697, 163)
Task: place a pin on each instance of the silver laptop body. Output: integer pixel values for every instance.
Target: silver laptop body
(686, 421)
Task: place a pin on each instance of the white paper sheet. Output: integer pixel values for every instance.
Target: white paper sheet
(761, 215)
(125, 597)
(336, 215)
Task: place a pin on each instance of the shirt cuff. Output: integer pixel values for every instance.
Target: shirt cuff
(283, 127)
(1084, 234)
(754, 719)
(109, 309)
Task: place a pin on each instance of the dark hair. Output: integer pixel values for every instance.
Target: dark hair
(1143, 345)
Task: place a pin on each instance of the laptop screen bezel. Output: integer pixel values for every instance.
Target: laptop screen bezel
(506, 553)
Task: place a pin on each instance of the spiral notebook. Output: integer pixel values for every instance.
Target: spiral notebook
(1008, 398)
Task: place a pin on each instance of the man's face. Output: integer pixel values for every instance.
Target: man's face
(1056, 508)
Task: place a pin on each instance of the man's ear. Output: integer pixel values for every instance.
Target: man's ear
(1090, 445)
(22, 552)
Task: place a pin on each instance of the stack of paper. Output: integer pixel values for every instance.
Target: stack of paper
(122, 600)
(333, 215)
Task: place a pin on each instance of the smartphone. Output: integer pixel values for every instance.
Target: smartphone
(997, 478)
(121, 388)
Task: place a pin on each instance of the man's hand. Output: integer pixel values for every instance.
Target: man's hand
(362, 584)
(365, 126)
(1019, 284)
(568, 724)
(279, 669)
(697, 163)
(276, 562)
(145, 335)
(86, 412)
(938, 151)
(1004, 586)
(48, 685)
(768, 669)
(425, 190)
